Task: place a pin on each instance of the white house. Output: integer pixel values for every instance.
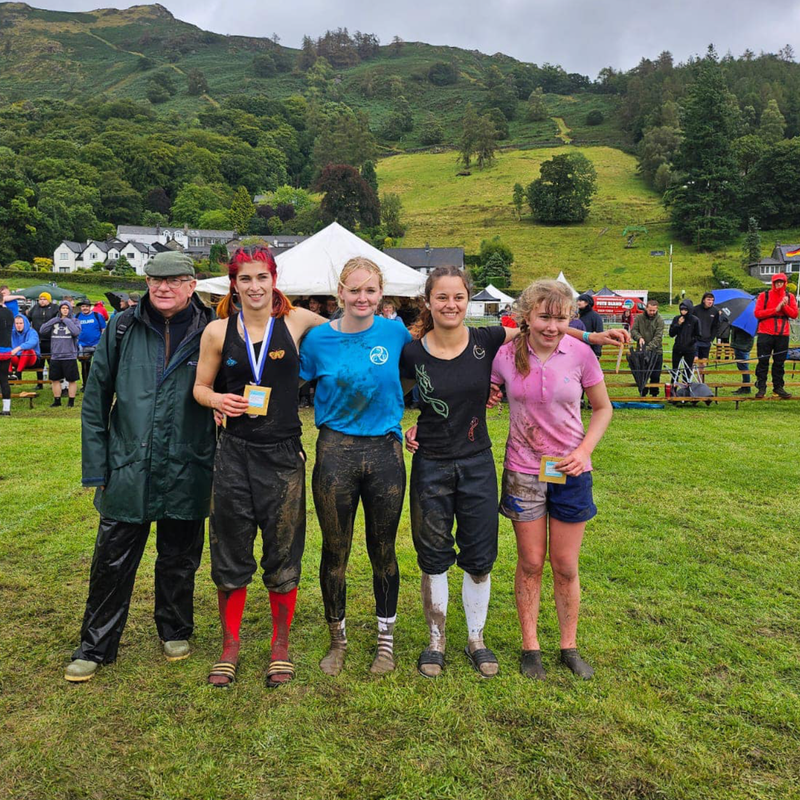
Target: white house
(184, 236)
(65, 254)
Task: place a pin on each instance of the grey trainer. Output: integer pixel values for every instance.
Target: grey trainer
(176, 650)
(80, 670)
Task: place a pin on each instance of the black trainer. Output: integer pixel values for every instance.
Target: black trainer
(743, 390)
(530, 665)
(56, 403)
(570, 658)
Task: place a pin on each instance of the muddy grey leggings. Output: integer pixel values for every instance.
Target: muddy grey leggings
(349, 468)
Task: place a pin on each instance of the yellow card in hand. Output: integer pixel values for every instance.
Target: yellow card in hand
(257, 399)
(548, 472)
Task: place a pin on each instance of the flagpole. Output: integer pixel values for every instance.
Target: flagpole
(670, 274)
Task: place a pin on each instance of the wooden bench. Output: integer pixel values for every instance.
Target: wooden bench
(732, 399)
(29, 396)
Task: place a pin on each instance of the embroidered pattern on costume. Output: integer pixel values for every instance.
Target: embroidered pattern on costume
(275, 354)
(472, 425)
(478, 352)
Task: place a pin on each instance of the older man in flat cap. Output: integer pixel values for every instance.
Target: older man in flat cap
(148, 448)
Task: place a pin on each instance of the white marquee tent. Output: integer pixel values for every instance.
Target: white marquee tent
(313, 267)
(562, 279)
(490, 296)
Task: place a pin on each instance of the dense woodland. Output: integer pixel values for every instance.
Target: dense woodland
(718, 137)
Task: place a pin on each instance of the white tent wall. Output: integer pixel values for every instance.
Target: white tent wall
(314, 266)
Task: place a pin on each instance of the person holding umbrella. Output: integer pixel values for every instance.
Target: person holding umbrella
(774, 308)
(648, 332)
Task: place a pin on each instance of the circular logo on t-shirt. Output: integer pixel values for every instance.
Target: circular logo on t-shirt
(379, 355)
(478, 352)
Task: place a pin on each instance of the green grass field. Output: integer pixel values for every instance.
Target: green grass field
(448, 210)
(691, 613)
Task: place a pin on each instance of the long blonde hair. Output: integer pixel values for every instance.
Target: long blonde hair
(359, 262)
(557, 299)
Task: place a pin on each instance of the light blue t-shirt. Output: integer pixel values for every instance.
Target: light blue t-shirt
(358, 377)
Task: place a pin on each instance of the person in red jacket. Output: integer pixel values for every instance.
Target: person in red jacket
(774, 308)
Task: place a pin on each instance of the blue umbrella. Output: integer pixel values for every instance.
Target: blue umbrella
(738, 307)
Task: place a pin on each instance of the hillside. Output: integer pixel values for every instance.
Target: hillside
(77, 56)
(448, 210)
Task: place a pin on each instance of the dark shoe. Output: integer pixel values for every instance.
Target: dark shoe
(761, 394)
(432, 658)
(743, 390)
(654, 393)
(782, 393)
(481, 657)
(71, 402)
(530, 665)
(56, 403)
(5, 413)
(579, 667)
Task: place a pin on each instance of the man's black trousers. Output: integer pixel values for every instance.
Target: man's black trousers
(776, 346)
(117, 553)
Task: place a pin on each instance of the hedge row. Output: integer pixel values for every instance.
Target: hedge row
(732, 276)
(98, 279)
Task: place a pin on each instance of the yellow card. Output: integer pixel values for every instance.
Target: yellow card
(548, 472)
(257, 399)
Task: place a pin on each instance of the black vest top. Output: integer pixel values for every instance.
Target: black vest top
(281, 373)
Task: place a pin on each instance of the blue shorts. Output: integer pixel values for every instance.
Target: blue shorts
(524, 498)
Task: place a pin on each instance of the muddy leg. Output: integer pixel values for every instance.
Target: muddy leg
(334, 659)
(475, 593)
(434, 606)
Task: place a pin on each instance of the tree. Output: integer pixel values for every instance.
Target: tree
(751, 246)
(157, 94)
(495, 271)
(264, 66)
(396, 47)
(771, 186)
(308, 55)
(391, 210)
(485, 142)
(772, 124)
(747, 150)
(466, 143)
(442, 74)
(41, 264)
(197, 82)
(564, 190)
(369, 175)
(704, 206)
(500, 122)
(431, 132)
(242, 210)
(595, 117)
(505, 98)
(518, 199)
(536, 110)
(658, 146)
(346, 139)
(349, 199)
(218, 254)
(123, 267)
(217, 219)
(495, 245)
(191, 201)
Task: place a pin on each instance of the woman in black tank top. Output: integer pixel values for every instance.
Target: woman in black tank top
(259, 469)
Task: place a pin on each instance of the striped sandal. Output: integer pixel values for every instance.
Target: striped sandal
(223, 669)
(279, 668)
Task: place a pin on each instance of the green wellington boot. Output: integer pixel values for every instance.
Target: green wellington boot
(80, 670)
(176, 650)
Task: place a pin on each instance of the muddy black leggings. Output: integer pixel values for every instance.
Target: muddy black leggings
(349, 468)
(5, 388)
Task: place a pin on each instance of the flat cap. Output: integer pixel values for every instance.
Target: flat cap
(168, 265)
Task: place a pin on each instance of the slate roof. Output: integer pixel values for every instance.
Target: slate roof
(783, 249)
(76, 247)
(428, 257)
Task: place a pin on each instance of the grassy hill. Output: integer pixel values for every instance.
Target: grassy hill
(71, 56)
(448, 210)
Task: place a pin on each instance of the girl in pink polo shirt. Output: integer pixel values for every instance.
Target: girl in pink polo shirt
(544, 373)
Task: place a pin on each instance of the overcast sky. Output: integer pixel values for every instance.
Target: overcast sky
(580, 35)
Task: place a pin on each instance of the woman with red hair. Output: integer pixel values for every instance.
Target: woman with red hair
(249, 371)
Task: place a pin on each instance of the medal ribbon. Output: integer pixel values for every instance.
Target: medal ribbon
(257, 364)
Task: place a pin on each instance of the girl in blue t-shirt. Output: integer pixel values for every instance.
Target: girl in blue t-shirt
(358, 407)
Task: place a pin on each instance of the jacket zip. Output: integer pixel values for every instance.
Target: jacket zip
(166, 343)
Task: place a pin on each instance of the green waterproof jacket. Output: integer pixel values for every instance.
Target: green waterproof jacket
(145, 439)
(651, 330)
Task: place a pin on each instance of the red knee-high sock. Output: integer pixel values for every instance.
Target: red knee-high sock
(231, 609)
(282, 606)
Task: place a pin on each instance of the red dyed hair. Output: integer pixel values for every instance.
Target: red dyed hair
(281, 305)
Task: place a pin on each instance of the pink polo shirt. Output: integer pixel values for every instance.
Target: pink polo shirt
(544, 406)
